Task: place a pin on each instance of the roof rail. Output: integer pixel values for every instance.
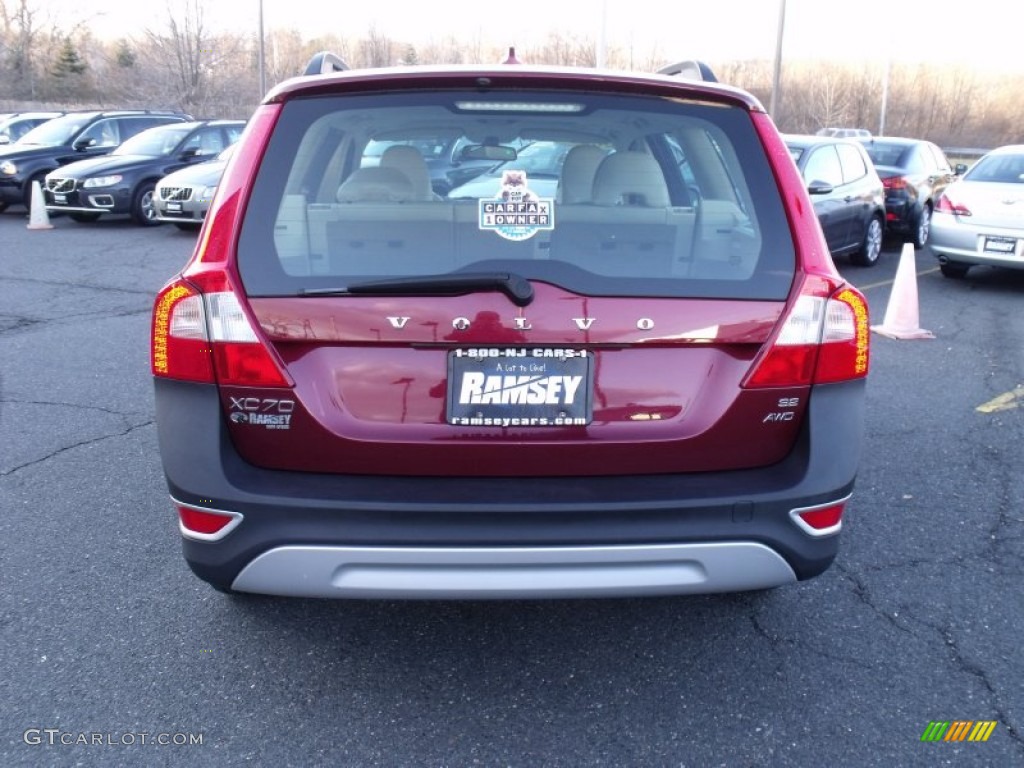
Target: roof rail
(691, 69)
(324, 63)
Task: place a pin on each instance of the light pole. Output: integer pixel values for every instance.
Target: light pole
(263, 68)
(773, 104)
(885, 95)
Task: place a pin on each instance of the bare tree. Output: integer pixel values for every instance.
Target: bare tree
(185, 49)
(376, 49)
(21, 27)
(829, 97)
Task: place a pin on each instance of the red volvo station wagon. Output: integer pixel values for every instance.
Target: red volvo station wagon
(632, 369)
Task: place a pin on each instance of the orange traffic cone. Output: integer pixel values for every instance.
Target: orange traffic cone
(901, 314)
(38, 218)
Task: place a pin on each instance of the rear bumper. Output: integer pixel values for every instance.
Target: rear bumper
(513, 572)
(901, 214)
(956, 241)
(318, 535)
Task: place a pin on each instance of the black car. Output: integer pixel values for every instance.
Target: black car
(914, 172)
(846, 192)
(63, 140)
(123, 181)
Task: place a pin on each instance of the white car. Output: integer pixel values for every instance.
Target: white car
(979, 219)
(183, 197)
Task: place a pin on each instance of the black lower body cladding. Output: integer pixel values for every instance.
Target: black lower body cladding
(300, 510)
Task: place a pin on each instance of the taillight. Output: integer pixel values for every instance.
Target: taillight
(824, 338)
(179, 343)
(822, 520)
(205, 524)
(207, 336)
(895, 182)
(945, 205)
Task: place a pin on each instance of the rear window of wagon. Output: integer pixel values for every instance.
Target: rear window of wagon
(647, 197)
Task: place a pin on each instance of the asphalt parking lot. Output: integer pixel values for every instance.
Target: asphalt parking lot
(105, 635)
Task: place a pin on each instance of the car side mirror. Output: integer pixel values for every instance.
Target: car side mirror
(189, 154)
(960, 169)
(819, 188)
(5, 139)
(83, 144)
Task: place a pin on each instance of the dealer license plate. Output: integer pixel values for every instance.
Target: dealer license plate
(520, 387)
(60, 199)
(174, 207)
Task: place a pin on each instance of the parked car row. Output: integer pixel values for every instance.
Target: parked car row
(93, 163)
(864, 186)
(125, 180)
(968, 217)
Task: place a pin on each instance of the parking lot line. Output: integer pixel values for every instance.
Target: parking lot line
(1003, 402)
(890, 282)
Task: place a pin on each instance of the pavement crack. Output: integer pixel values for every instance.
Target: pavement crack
(78, 406)
(79, 444)
(968, 667)
(775, 643)
(16, 323)
(70, 284)
(863, 594)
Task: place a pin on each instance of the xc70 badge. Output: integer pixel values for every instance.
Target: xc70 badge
(268, 412)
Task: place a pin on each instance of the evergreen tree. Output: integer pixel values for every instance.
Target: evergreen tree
(68, 61)
(125, 56)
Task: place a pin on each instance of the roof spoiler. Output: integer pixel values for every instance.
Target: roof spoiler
(691, 69)
(324, 63)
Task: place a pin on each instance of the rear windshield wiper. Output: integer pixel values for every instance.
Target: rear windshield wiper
(517, 288)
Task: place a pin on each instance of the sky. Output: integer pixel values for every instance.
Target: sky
(985, 33)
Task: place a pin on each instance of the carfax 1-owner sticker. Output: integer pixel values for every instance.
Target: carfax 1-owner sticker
(516, 213)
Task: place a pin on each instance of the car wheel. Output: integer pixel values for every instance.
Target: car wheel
(954, 270)
(83, 217)
(923, 228)
(871, 248)
(143, 210)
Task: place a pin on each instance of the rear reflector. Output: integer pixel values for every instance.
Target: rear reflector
(206, 524)
(196, 334)
(824, 338)
(823, 520)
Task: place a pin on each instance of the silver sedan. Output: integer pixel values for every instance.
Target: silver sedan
(184, 197)
(980, 217)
